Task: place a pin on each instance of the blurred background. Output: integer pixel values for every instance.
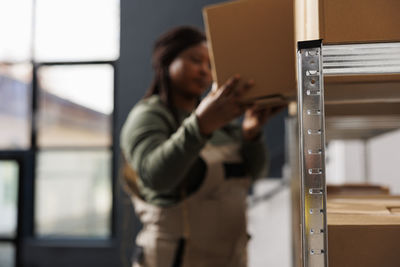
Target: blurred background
(70, 71)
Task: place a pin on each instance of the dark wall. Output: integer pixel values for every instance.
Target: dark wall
(142, 21)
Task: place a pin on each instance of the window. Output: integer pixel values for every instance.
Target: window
(9, 185)
(7, 255)
(91, 35)
(9, 173)
(75, 105)
(15, 30)
(57, 78)
(15, 117)
(73, 193)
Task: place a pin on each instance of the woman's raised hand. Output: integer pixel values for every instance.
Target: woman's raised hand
(255, 117)
(221, 106)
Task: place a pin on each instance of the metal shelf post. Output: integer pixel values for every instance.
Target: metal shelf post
(311, 120)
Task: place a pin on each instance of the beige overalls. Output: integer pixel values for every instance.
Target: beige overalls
(212, 221)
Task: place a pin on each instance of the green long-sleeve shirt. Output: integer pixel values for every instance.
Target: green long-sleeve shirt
(165, 153)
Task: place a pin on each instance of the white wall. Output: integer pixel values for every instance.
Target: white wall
(385, 160)
(356, 161)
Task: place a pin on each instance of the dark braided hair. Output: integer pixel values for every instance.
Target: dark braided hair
(167, 47)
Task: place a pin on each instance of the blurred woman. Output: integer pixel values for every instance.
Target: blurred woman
(190, 165)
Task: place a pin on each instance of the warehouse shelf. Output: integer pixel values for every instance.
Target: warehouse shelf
(348, 91)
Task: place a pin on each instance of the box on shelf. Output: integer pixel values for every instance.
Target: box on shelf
(347, 21)
(363, 231)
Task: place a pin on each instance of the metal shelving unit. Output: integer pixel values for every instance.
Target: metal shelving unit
(315, 62)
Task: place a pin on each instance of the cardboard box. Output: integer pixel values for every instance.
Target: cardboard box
(347, 21)
(364, 231)
(257, 39)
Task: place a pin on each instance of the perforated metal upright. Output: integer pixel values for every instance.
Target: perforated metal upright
(312, 154)
(364, 63)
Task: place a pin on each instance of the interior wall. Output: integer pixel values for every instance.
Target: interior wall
(383, 161)
(373, 161)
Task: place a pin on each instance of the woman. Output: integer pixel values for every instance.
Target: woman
(191, 166)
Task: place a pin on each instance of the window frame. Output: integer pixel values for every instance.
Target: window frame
(81, 251)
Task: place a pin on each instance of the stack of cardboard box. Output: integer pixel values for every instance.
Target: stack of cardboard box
(363, 230)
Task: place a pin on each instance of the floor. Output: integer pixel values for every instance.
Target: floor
(269, 225)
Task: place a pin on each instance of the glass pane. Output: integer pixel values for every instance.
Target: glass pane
(15, 91)
(75, 106)
(77, 30)
(73, 194)
(7, 255)
(8, 198)
(15, 30)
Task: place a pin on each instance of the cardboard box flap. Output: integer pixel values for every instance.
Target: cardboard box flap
(356, 188)
(363, 219)
(364, 210)
(357, 208)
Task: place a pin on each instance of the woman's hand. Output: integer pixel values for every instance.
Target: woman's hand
(221, 106)
(255, 118)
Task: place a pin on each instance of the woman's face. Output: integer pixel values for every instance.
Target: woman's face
(190, 72)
